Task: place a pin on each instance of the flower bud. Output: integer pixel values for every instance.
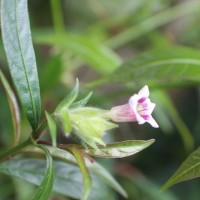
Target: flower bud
(87, 123)
(90, 125)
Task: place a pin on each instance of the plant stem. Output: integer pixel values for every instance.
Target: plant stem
(36, 134)
(57, 16)
(15, 149)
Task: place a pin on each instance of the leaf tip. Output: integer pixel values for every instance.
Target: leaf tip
(77, 83)
(164, 187)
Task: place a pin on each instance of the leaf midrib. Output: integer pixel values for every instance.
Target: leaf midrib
(46, 182)
(49, 172)
(24, 66)
(179, 175)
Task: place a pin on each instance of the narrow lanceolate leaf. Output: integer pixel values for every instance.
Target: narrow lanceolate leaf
(189, 169)
(119, 149)
(68, 179)
(100, 57)
(95, 168)
(106, 176)
(66, 123)
(21, 57)
(81, 103)
(13, 108)
(45, 188)
(87, 181)
(67, 101)
(52, 128)
(174, 66)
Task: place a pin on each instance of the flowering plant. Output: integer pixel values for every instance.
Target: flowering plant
(89, 125)
(54, 145)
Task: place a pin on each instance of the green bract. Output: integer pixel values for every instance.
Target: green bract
(89, 125)
(86, 123)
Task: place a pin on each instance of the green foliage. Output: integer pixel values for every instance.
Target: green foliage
(65, 122)
(45, 188)
(90, 125)
(21, 57)
(15, 114)
(153, 22)
(50, 74)
(189, 169)
(52, 128)
(87, 123)
(68, 179)
(81, 103)
(96, 169)
(87, 181)
(92, 40)
(119, 149)
(159, 68)
(65, 103)
(94, 53)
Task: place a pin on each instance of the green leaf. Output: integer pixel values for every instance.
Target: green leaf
(100, 57)
(88, 112)
(21, 57)
(189, 169)
(68, 180)
(81, 103)
(87, 181)
(52, 128)
(106, 177)
(65, 103)
(95, 168)
(13, 108)
(119, 149)
(65, 121)
(153, 22)
(173, 66)
(45, 188)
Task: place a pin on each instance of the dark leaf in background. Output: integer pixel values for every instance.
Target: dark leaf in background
(158, 68)
(14, 108)
(189, 169)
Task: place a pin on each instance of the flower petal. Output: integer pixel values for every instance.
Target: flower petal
(140, 119)
(152, 121)
(148, 107)
(144, 92)
(133, 102)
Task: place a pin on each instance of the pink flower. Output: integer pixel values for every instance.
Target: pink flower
(139, 108)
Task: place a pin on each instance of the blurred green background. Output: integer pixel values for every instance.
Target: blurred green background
(89, 39)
